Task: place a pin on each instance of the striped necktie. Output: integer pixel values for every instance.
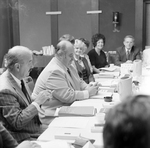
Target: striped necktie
(24, 90)
(128, 54)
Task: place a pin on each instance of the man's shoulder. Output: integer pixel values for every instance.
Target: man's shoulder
(135, 48)
(120, 48)
(4, 81)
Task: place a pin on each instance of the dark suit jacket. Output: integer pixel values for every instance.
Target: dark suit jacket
(121, 56)
(6, 140)
(18, 116)
(87, 76)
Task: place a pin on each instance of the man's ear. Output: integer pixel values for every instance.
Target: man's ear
(17, 67)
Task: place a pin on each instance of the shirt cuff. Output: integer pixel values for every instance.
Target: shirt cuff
(86, 94)
(38, 107)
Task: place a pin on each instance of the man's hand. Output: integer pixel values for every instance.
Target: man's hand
(92, 89)
(43, 96)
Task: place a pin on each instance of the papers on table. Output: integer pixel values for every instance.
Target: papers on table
(108, 68)
(101, 96)
(104, 74)
(106, 90)
(77, 111)
(90, 102)
(53, 144)
(70, 122)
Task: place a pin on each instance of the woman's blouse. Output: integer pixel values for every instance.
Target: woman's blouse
(97, 60)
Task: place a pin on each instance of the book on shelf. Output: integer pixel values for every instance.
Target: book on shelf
(77, 111)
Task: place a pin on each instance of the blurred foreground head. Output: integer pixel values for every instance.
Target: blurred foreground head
(128, 124)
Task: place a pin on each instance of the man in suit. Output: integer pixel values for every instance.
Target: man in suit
(7, 141)
(62, 78)
(17, 111)
(127, 52)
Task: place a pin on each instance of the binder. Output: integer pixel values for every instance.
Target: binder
(77, 111)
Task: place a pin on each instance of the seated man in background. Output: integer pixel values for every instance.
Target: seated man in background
(127, 52)
(128, 124)
(62, 78)
(17, 111)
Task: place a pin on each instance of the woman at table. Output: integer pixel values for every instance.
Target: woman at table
(86, 45)
(81, 63)
(97, 55)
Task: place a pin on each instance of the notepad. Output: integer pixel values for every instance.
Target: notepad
(67, 136)
(108, 68)
(77, 111)
(106, 90)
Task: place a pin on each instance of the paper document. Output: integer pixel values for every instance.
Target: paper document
(105, 73)
(53, 144)
(101, 96)
(106, 90)
(90, 102)
(108, 68)
(73, 122)
(77, 111)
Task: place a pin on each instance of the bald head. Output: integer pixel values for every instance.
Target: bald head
(63, 47)
(19, 61)
(17, 54)
(67, 37)
(19, 50)
(64, 52)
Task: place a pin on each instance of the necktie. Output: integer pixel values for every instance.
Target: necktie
(68, 71)
(25, 91)
(128, 54)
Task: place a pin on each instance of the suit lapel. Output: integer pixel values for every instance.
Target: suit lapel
(17, 88)
(68, 77)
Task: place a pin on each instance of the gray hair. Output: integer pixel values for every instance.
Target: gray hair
(129, 36)
(16, 55)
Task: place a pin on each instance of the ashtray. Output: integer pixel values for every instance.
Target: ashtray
(108, 99)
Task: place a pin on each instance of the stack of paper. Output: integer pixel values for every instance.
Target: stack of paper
(77, 111)
(106, 90)
(114, 73)
(71, 122)
(108, 68)
(53, 144)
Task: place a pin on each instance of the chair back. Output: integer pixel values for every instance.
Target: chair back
(112, 57)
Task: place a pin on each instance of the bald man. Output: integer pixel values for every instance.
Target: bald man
(66, 85)
(17, 111)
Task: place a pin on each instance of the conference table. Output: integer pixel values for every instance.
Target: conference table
(68, 128)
